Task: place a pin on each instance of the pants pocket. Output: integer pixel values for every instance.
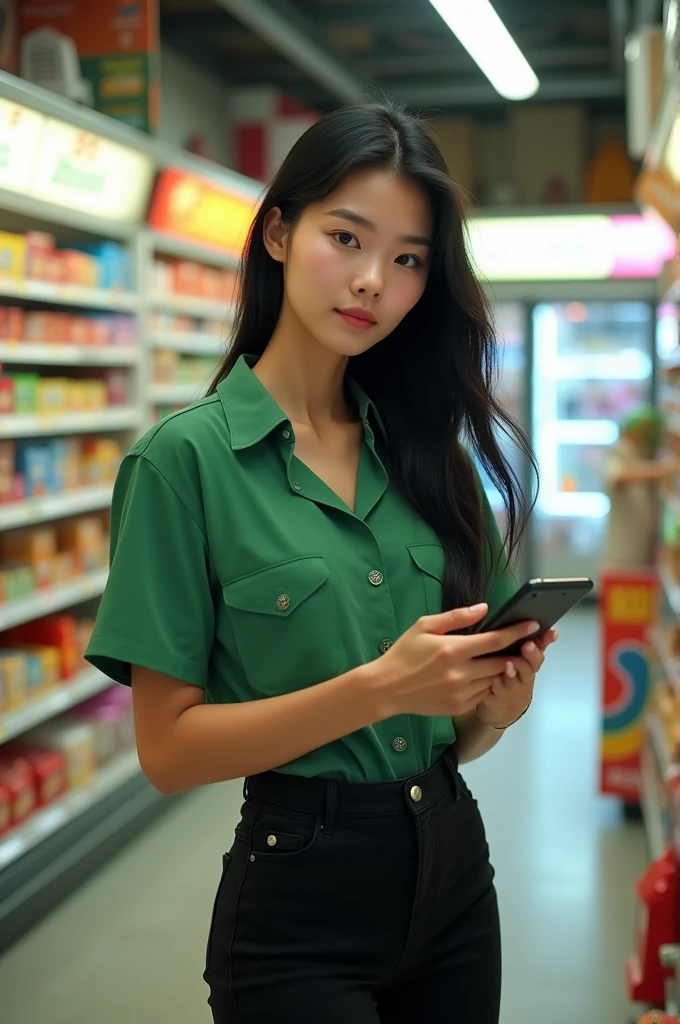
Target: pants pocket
(226, 863)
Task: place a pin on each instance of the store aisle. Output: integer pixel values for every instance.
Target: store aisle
(129, 946)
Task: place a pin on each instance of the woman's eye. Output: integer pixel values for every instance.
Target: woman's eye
(345, 238)
(406, 256)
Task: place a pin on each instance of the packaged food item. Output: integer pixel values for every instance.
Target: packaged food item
(45, 663)
(41, 260)
(11, 323)
(79, 268)
(48, 769)
(84, 537)
(16, 581)
(113, 265)
(12, 255)
(7, 473)
(25, 393)
(58, 632)
(6, 802)
(6, 395)
(75, 740)
(34, 464)
(16, 778)
(14, 674)
(35, 547)
(52, 395)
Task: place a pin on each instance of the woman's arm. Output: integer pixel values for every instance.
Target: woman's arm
(184, 743)
(473, 738)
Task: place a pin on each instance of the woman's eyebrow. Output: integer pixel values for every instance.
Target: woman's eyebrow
(356, 218)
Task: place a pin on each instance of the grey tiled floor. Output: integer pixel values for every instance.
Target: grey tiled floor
(129, 946)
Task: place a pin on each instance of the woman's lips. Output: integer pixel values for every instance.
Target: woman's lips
(358, 322)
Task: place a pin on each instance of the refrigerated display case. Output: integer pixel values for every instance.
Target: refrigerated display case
(592, 364)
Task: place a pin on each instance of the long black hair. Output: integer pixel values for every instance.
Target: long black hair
(433, 378)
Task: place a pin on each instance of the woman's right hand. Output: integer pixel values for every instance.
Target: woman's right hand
(428, 673)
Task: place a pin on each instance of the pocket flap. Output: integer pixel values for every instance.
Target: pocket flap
(429, 558)
(278, 589)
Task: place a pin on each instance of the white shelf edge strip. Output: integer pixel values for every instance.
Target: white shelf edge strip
(40, 510)
(48, 821)
(69, 355)
(45, 602)
(17, 425)
(67, 695)
(68, 295)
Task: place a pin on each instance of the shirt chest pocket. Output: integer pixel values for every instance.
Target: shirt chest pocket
(428, 560)
(285, 625)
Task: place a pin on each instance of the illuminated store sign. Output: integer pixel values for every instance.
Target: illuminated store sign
(199, 210)
(61, 164)
(588, 247)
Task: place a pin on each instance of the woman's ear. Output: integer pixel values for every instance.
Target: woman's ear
(275, 235)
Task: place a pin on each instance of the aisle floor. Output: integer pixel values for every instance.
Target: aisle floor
(129, 946)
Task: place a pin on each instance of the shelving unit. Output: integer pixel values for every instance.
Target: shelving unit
(41, 709)
(57, 848)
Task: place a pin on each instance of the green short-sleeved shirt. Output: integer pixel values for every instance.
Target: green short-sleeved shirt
(236, 569)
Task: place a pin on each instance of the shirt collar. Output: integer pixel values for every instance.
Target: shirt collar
(252, 413)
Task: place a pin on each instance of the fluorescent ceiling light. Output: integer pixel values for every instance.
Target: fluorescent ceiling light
(489, 43)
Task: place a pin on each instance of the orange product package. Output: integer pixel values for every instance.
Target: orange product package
(84, 537)
(34, 547)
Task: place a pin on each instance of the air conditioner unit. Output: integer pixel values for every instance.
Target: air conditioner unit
(50, 59)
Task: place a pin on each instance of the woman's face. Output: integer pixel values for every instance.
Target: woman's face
(357, 262)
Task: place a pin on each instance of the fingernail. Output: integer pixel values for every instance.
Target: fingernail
(530, 647)
(533, 627)
(477, 608)
(510, 670)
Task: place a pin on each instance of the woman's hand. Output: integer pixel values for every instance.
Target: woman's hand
(428, 672)
(512, 693)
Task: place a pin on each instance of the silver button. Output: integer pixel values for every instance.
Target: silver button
(416, 794)
(272, 840)
(252, 856)
(285, 434)
(283, 602)
(375, 577)
(297, 486)
(385, 645)
(399, 744)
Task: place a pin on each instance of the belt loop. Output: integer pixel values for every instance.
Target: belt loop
(331, 805)
(450, 758)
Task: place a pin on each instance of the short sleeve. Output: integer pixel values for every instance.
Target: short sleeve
(157, 610)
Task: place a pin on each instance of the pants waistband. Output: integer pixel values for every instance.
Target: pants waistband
(329, 800)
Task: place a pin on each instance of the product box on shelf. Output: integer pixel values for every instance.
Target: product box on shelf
(48, 767)
(41, 260)
(35, 547)
(75, 740)
(7, 474)
(12, 255)
(6, 395)
(14, 676)
(25, 392)
(16, 581)
(113, 265)
(18, 780)
(86, 538)
(55, 632)
(11, 323)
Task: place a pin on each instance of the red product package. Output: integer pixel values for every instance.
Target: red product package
(59, 631)
(16, 775)
(5, 809)
(6, 395)
(50, 778)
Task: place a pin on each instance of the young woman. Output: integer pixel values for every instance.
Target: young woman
(297, 563)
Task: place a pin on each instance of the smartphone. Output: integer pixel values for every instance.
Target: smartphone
(543, 601)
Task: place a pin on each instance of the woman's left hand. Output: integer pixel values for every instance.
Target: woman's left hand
(511, 693)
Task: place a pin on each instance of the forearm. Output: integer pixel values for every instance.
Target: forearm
(211, 743)
(473, 738)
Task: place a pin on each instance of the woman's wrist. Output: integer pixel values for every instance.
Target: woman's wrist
(502, 728)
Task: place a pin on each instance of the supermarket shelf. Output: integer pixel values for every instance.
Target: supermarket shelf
(191, 344)
(651, 809)
(670, 664)
(176, 394)
(17, 425)
(68, 355)
(52, 599)
(65, 696)
(185, 305)
(51, 819)
(670, 588)
(68, 295)
(54, 506)
(182, 250)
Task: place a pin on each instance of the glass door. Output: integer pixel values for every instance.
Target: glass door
(592, 365)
